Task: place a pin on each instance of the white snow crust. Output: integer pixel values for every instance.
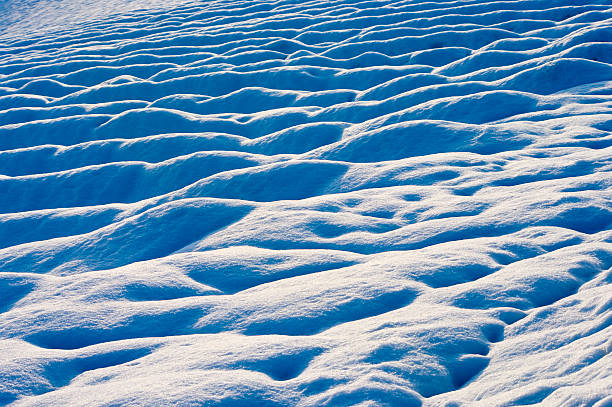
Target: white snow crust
(306, 203)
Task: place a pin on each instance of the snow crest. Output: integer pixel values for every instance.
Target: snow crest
(319, 203)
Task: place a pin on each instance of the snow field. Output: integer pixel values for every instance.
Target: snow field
(318, 203)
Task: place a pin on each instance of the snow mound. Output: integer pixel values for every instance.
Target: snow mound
(279, 203)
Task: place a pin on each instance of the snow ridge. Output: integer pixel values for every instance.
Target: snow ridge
(318, 203)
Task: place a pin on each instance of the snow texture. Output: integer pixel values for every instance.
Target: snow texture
(306, 203)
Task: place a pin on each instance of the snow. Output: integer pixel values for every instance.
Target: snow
(319, 203)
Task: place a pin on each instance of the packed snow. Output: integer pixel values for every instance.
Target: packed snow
(306, 203)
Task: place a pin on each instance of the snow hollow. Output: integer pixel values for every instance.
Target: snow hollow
(306, 203)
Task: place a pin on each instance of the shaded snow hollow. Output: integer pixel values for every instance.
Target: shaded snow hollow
(313, 203)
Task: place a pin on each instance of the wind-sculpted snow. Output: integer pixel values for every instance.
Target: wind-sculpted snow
(319, 203)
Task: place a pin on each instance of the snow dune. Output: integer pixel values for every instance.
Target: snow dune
(318, 203)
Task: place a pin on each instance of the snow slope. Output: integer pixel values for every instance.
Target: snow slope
(313, 203)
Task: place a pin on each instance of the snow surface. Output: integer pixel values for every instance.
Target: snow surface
(306, 203)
